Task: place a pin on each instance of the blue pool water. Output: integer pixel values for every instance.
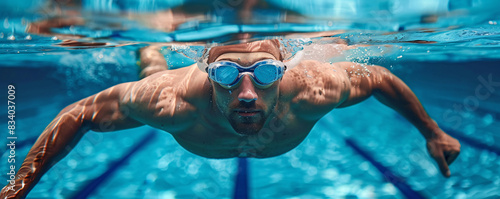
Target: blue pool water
(461, 53)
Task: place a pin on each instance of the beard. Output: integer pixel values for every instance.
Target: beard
(247, 125)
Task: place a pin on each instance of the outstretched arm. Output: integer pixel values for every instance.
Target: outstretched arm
(101, 112)
(394, 93)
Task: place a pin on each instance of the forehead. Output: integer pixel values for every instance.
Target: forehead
(246, 57)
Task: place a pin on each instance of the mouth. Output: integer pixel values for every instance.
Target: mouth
(247, 113)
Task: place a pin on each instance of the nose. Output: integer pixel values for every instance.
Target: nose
(247, 90)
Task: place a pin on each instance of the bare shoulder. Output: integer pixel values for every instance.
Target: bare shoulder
(354, 69)
(316, 88)
(166, 99)
(363, 80)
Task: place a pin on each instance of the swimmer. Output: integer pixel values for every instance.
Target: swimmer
(244, 101)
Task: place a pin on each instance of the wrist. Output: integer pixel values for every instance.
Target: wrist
(431, 130)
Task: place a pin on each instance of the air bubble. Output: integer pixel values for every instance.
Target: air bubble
(488, 120)
(28, 37)
(6, 23)
(11, 38)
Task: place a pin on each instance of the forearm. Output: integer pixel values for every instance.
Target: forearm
(443, 148)
(152, 61)
(54, 143)
(394, 93)
(100, 112)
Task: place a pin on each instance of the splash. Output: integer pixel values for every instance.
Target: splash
(191, 52)
(290, 47)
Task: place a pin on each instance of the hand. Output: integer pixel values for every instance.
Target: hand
(13, 191)
(444, 150)
(7, 193)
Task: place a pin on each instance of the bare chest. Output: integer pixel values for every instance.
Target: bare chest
(279, 135)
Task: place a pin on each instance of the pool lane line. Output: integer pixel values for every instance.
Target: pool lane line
(240, 190)
(471, 141)
(113, 167)
(397, 181)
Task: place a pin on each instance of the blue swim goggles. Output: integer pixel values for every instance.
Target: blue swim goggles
(228, 73)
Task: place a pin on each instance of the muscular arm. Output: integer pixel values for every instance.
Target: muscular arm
(394, 93)
(322, 87)
(388, 89)
(101, 112)
(152, 61)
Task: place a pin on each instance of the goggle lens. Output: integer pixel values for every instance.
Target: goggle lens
(226, 74)
(266, 74)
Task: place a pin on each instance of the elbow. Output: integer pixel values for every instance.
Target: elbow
(382, 79)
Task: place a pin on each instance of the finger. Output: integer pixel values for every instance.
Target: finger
(442, 165)
(452, 157)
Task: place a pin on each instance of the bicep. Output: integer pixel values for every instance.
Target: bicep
(103, 111)
(364, 80)
(161, 100)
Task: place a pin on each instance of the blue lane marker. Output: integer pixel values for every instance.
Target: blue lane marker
(470, 141)
(241, 182)
(391, 177)
(113, 167)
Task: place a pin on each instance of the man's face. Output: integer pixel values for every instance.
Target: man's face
(246, 105)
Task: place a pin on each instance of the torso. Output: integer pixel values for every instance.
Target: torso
(282, 132)
(205, 132)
